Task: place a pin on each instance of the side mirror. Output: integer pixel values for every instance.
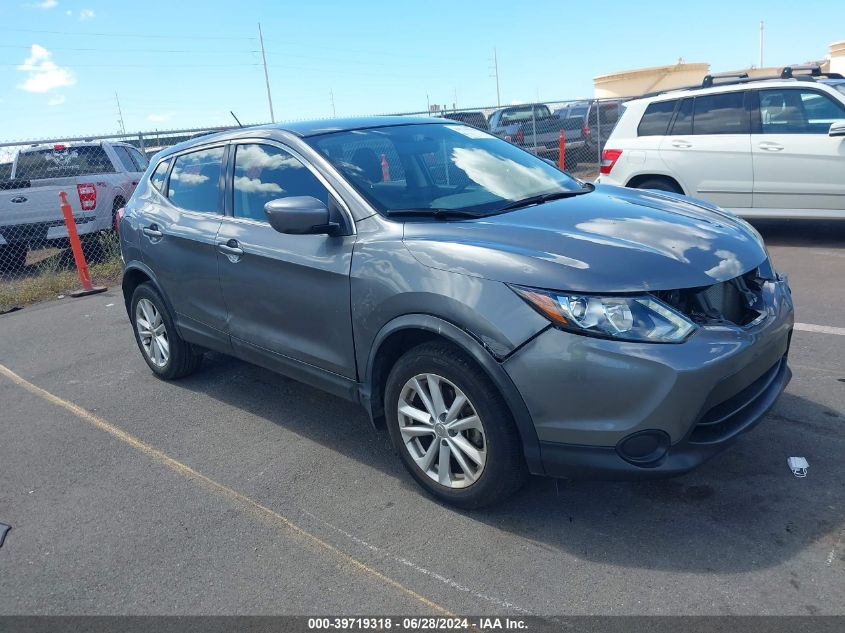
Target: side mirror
(300, 215)
(837, 129)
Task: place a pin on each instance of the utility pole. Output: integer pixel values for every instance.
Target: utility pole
(119, 114)
(496, 75)
(266, 76)
(331, 96)
(762, 26)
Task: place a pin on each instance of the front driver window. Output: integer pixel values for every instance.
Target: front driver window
(793, 111)
(264, 173)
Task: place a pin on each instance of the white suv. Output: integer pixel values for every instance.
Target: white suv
(760, 148)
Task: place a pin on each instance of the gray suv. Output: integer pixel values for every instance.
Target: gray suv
(496, 315)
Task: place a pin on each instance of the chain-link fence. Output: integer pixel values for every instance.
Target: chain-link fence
(99, 174)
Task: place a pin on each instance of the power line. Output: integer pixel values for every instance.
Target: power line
(180, 36)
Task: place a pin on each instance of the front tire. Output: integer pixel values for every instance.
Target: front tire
(166, 354)
(452, 428)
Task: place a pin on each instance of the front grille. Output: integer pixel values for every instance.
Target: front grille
(739, 411)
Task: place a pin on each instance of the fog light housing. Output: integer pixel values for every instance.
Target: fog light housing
(644, 448)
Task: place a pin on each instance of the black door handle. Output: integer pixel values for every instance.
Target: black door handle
(231, 249)
(152, 231)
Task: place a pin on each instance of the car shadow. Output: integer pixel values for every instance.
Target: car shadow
(742, 510)
(818, 233)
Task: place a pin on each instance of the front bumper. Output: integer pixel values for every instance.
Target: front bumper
(587, 396)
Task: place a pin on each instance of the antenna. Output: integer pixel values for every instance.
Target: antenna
(236, 119)
(331, 97)
(266, 76)
(762, 27)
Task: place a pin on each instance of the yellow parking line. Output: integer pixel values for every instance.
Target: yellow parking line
(233, 495)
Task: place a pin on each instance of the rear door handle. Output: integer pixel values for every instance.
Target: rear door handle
(681, 144)
(18, 199)
(231, 249)
(771, 147)
(152, 232)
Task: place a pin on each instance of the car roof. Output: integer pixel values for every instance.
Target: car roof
(305, 129)
(733, 86)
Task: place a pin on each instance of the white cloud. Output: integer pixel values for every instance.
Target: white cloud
(45, 4)
(254, 185)
(57, 100)
(158, 118)
(86, 14)
(44, 73)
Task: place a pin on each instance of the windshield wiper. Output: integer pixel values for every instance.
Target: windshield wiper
(545, 197)
(440, 214)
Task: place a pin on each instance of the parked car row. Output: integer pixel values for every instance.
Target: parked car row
(98, 177)
(762, 148)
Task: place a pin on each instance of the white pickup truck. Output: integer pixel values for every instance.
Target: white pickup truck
(98, 178)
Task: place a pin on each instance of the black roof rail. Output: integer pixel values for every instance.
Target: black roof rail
(709, 80)
(813, 69)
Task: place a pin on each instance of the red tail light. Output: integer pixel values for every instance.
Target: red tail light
(608, 159)
(520, 136)
(87, 196)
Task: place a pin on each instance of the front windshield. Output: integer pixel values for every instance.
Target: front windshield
(445, 167)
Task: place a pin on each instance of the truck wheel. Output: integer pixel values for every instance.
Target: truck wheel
(13, 257)
(452, 428)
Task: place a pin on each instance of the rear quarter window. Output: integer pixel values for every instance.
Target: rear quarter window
(63, 162)
(160, 175)
(656, 118)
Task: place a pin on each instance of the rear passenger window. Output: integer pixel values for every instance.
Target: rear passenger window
(683, 120)
(195, 181)
(160, 175)
(656, 119)
(720, 114)
(123, 157)
(264, 173)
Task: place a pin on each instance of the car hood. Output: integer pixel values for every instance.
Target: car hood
(611, 240)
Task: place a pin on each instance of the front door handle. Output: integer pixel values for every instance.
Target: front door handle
(771, 147)
(231, 249)
(152, 231)
(681, 144)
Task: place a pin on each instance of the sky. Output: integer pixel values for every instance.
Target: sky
(185, 64)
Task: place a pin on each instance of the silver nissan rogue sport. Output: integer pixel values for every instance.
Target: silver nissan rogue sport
(498, 316)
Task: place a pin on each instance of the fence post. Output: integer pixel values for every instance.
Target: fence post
(79, 257)
(534, 127)
(561, 161)
(598, 132)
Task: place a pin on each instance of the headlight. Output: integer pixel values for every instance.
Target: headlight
(629, 318)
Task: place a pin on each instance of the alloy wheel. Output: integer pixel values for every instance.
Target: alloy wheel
(441, 430)
(152, 332)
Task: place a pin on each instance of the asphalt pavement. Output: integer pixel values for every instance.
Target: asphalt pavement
(238, 491)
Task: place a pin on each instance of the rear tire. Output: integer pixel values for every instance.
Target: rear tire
(13, 257)
(165, 352)
(467, 454)
(660, 184)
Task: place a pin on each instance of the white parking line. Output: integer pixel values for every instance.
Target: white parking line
(821, 329)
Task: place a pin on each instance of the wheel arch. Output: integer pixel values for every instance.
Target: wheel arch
(635, 181)
(405, 332)
(135, 274)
